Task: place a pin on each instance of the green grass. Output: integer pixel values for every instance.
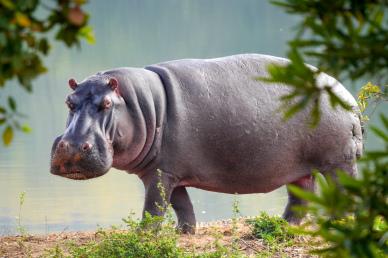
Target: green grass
(156, 237)
(140, 239)
(272, 229)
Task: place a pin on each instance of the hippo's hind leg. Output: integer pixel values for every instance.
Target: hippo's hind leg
(183, 207)
(295, 217)
(348, 167)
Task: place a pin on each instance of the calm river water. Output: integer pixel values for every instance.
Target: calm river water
(128, 33)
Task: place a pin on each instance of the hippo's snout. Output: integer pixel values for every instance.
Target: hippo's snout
(80, 159)
(64, 146)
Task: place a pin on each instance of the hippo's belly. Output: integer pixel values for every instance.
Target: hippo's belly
(236, 160)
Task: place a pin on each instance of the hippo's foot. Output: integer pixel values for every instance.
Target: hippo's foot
(186, 229)
(291, 214)
(292, 217)
(183, 207)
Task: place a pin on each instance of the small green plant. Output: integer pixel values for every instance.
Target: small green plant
(236, 212)
(234, 252)
(272, 229)
(19, 227)
(217, 249)
(165, 206)
(370, 92)
(55, 252)
(140, 239)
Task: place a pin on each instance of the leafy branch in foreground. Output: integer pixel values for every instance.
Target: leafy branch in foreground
(9, 118)
(351, 215)
(349, 40)
(307, 88)
(24, 41)
(344, 38)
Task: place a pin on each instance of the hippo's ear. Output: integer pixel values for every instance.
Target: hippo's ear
(73, 84)
(113, 84)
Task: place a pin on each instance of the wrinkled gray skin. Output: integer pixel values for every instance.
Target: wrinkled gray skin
(206, 124)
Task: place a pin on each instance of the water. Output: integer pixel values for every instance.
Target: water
(128, 33)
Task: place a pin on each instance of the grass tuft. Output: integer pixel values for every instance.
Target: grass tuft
(272, 229)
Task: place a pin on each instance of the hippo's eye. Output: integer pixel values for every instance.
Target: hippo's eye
(106, 103)
(70, 105)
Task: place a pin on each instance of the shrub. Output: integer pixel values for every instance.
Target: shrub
(271, 229)
(140, 239)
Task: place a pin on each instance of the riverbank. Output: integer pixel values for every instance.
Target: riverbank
(210, 237)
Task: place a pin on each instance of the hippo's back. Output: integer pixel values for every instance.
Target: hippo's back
(223, 125)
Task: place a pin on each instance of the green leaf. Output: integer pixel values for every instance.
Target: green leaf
(26, 128)
(3, 39)
(87, 33)
(295, 108)
(315, 114)
(321, 180)
(44, 46)
(305, 195)
(335, 100)
(7, 135)
(7, 3)
(384, 119)
(68, 36)
(22, 19)
(379, 133)
(376, 154)
(12, 103)
(2, 110)
(349, 182)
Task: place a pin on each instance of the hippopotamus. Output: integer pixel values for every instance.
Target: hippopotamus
(203, 123)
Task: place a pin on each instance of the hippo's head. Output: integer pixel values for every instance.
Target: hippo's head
(85, 150)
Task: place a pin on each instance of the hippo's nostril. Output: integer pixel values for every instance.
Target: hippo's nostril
(63, 144)
(86, 146)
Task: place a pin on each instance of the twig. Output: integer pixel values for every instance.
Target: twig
(249, 245)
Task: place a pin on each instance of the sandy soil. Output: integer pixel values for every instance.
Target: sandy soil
(204, 239)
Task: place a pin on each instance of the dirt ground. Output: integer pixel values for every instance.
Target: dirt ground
(204, 239)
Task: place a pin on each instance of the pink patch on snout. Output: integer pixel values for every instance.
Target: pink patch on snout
(63, 145)
(87, 146)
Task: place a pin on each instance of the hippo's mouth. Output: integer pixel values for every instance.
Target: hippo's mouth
(80, 175)
(75, 176)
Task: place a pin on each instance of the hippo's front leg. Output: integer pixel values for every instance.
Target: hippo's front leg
(155, 184)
